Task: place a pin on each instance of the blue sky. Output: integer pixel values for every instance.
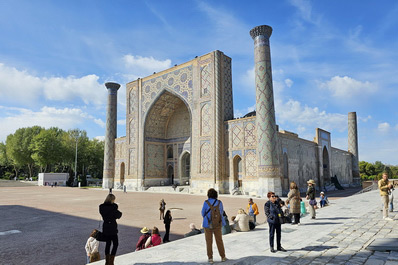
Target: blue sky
(328, 58)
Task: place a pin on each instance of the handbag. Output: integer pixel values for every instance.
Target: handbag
(312, 202)
(95, 256)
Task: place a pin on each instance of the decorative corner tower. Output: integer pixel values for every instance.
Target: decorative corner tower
(353, 145)
(269, 175)
(110, 135)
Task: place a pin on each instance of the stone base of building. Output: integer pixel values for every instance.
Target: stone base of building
(107, 183)
(266, 185)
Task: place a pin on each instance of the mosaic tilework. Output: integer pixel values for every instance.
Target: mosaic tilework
(206, 74)
(132, 161)
(179, 124)
(205, 158)
(132, 130)
(133, 100)
(206, 120)
(251, 164)
(179, 81)
(227, 89)
(236, 140)
(265, 114)
(250, 134)
(155, 160)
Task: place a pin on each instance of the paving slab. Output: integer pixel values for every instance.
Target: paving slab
(384, 244)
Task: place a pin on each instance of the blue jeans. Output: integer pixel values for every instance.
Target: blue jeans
(88, 259)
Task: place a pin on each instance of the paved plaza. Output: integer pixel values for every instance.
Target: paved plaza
(44, 225)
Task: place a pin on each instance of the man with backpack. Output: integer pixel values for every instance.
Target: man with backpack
(212, 212)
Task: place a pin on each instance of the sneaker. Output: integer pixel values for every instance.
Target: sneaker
(224, 259)
(211, 261)
(388, 219)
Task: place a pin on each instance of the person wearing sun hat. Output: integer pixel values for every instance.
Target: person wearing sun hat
(143, 238)
(310, 195)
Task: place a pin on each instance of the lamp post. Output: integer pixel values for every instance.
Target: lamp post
(76, 134)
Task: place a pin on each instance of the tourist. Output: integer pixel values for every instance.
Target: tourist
(273, 212)
(167, 221)
(194, 231)
(385, 188)
(162, 207)
(109, 212)
(226, 228)
(310, 195)
(143, 238)
(252, 209)
(323, 200)
(212, 212)
(293, 199)
(155, 239)
(92, 248)
(287, 216)
(241, 222)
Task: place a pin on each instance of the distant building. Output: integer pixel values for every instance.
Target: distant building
(48, 179)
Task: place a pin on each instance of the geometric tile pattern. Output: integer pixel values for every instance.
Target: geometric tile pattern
(250, 134)
(206, 120)
(227, 81)
(265, 110)
(132, 130)
(155, 160)
(205, 155)
(236, 140)
(178, 81)
(206, 74)
(251, 164)
(132, 161)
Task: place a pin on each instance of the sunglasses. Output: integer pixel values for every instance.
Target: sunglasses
(273, 196)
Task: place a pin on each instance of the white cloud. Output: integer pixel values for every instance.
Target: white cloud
(141, 66)
(384, 127)
(100, 122)
(293, 112)
(347, 87)
(121, 122)
(64, 118)
(25, 88)
(288, 82)
(100, 138)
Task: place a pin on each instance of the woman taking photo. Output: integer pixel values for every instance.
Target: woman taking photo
(109, 212)
(273, 210)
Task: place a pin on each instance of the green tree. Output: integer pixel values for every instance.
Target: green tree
(95, 158)
(370, 169)
(379, 167)
(47, 148)
(18, 148)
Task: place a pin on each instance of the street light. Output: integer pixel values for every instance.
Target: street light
(76, 134)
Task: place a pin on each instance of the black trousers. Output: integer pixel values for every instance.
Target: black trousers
(272, 229)
(296, 218)
(115, 241)
(166, 235)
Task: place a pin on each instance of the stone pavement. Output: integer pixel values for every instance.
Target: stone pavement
(339, 235)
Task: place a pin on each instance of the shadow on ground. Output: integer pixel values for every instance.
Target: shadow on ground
(53, 238)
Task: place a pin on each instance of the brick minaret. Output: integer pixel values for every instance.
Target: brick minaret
(353, 144)
(267, 153)
(110, 135)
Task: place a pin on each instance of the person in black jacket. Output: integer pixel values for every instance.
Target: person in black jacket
(167, 220)
(272, 210)
(109, 212)
(310, 195)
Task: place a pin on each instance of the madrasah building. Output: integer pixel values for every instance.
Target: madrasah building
(180, 130)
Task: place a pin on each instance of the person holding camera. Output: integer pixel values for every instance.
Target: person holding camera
(385, 188)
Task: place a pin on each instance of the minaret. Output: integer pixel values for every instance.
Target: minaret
(353, 144)
(269, 175)
(110, 135)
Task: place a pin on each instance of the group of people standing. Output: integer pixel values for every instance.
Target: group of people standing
(214, 219)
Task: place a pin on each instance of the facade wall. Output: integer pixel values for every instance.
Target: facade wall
(342, 166)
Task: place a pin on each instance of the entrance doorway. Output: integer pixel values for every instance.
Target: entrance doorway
(170, 174)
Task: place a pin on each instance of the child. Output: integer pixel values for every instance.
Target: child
(286, 212)
(92, 248)
(323, 199)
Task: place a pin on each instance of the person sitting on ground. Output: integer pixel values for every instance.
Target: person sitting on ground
(286, 212)
(323, 199)
(155, 239)
(193, 231)
(225, 229)
(143, 238)
(241, 222)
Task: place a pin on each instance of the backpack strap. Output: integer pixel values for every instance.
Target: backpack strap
(210, 207)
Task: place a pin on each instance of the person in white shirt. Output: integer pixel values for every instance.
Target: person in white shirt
(92, 247)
